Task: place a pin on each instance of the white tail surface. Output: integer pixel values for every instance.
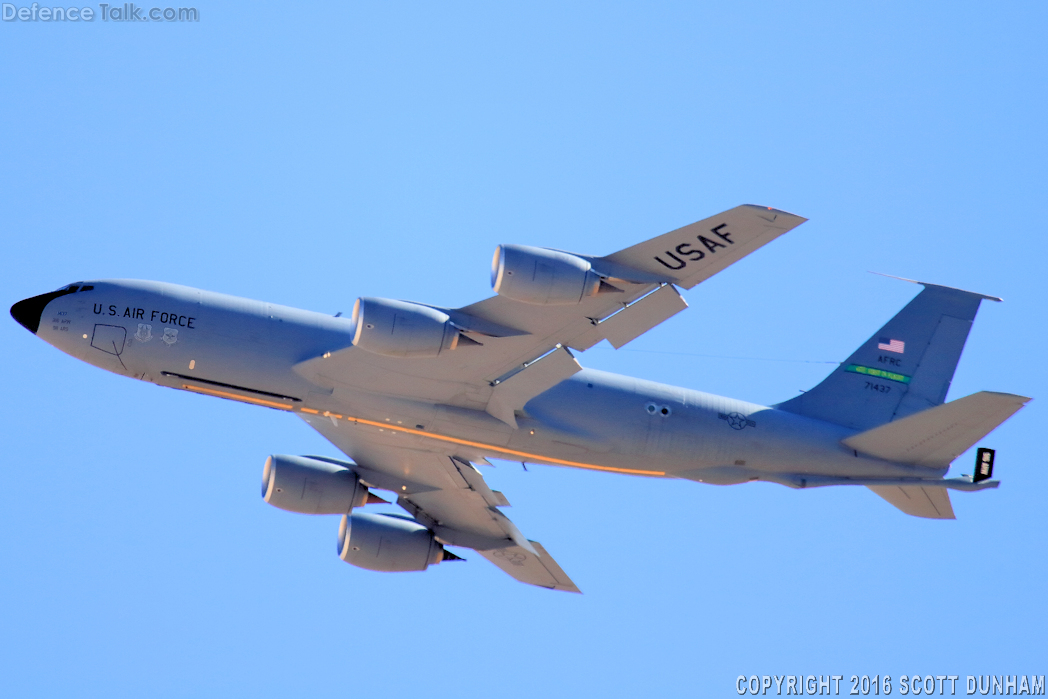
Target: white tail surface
(933, 503)
(937, 436)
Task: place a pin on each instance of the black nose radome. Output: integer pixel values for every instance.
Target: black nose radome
(28, 311)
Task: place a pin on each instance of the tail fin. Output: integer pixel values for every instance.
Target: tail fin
(906, 367)
(938, 435)
(934, 438)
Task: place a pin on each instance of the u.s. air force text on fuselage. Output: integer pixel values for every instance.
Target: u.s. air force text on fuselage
(418, 396)
(164, 317)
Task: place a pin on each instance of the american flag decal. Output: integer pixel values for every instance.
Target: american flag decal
(890, 345)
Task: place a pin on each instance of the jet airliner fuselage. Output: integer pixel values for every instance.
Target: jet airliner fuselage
(236, 348)
(415, 394)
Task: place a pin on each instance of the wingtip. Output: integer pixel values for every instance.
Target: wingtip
(776, 211)
(563, 587)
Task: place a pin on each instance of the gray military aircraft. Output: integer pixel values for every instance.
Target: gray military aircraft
(416, 395)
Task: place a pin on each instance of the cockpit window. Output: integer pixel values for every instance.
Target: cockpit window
(72, 288)
(87, 287)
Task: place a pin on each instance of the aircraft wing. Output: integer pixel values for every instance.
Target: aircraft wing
(448, 494)
(695, 253)
(521, 350)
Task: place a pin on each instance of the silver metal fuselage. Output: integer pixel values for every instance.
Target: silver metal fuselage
(236, 348)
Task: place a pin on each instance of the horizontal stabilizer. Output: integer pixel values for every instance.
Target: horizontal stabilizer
(525, 566)
(936, 436)
(933, 503)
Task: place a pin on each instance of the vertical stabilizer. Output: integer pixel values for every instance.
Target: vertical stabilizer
(905, 367)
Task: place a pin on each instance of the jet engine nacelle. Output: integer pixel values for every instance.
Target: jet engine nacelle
(403, 329)
(387, 543)
(541, 276)
(311, 486)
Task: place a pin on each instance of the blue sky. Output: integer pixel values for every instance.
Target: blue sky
(310, 155)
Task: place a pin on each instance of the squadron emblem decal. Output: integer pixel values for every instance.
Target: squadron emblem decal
(145, 332)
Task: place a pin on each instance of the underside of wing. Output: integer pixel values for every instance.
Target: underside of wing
(534, 567)
(448, 495)
(694, 253)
